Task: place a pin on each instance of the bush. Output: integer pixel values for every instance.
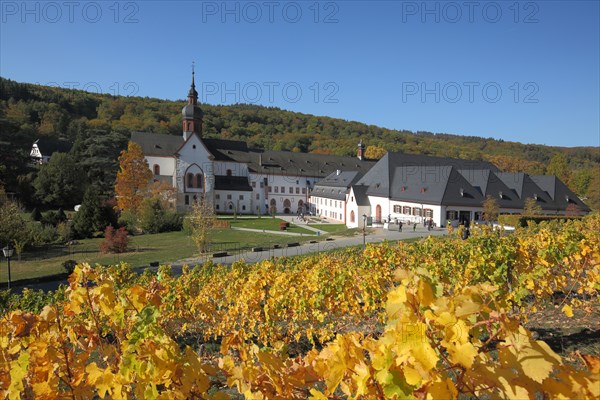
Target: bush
(69, 266)
(114, 241)
(54, 217)
(36, 215)
(64, 231)
(40, 234)
(129, 220)
(154, 218)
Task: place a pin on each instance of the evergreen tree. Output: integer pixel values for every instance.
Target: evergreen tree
(59, 182)
(89, 218)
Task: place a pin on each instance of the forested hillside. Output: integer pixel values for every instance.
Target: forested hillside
(99, 126)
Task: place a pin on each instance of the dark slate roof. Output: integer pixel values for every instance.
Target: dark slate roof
(336, 185)
(49, 146)
(304, 164)
(340, 178)
(157, 144)
(487, 183)
(227, 150)
(522, 185)
(360, 195)
(419, 160)
(328, 192)
(239, 183)
(559, 192)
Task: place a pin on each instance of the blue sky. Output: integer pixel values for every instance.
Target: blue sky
(519, 71)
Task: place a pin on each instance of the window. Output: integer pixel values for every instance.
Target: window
(230, 206)
(228, 197)
(257, 196)
(156, 169)
(303, 190)
(282, 189)
(199, 180)
(417, 211)
(253, 184)
(428, 213)
(276, 189)
(217, 206)
(190, 180)
(217, 196)
(406, 210)
(269, 189)
(397, 209)
(243, 208)
(297, 190)
(291, 190)
(262, 185)
(241, 197)
(228, 173)
(352, 216)
(187, 200)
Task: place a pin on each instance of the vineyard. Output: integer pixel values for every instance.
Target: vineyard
(441, 318)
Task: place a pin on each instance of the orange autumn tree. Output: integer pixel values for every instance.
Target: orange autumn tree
(133, 178)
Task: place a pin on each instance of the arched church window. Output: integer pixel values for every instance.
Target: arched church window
(190, 180)
(156, 169)
(199, 181)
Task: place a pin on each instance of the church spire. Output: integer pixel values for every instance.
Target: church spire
(193, 94)
(192, 114)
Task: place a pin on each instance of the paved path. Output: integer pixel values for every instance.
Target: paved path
(376, 235)
(273, 232)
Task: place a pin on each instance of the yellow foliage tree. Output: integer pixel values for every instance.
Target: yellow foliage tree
(375, 152)
(133, 178)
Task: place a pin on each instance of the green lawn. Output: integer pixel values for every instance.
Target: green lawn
(266, 223)
(331, 228)
(144, 249)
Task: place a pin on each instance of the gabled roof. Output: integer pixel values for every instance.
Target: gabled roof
(419, 160)
(522, 185)
(157, 144)
(227, 150)
(487, 183)
(559, 192)
(304, 164)
(237, 183)
(432, 185)
(48, 146)
(360, 195)
(335, 185)
(328, 192)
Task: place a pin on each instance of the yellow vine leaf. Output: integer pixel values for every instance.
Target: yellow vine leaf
(568, 311)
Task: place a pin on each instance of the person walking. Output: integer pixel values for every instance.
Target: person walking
(399, 226)
(414, 227)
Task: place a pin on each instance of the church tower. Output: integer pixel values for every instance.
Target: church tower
(192, 114)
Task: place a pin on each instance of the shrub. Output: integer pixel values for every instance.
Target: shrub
(129, 220)
(69, 266)
(154, 218)
(40, 234)
(114, 241)
(36, 215)
(64, 231)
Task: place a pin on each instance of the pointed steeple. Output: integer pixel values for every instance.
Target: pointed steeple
(193, 94)
(192, 114)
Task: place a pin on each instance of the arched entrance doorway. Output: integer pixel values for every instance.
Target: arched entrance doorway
(273, 206)
(287, 205)
(378, 213)
(300, 206)
(352, 216)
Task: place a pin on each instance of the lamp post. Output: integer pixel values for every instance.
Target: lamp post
(8, 252)
(364, 227)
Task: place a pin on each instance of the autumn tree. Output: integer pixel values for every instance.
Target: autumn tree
(133, 178)
(559, 166)
(374, 152)
(490, 209)
(60, 182)
(531, 208)
(201, 221)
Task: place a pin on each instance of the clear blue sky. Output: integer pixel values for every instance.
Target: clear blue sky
(526, 71)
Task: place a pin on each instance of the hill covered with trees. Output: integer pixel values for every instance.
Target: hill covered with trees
(99, 126)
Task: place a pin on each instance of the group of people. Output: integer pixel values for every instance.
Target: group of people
(428, 223)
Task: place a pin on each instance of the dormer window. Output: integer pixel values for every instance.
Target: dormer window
(228, 173)
(500, 195)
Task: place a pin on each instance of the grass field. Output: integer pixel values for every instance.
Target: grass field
(144, 249)
(266, 223)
